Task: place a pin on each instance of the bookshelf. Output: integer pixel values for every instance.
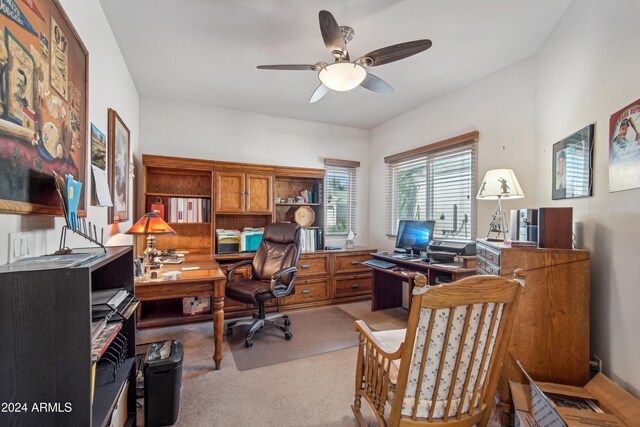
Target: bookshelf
(290, 187)
(46, 354)
(181, 182)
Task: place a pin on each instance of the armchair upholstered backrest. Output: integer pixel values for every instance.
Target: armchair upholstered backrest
(450, 361)
(279, 249)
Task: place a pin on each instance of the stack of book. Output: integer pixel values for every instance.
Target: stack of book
(309, 196)
(520, 244)
(188, 209)
(312, 239)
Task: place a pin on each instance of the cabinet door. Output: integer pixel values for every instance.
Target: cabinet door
(258, 193)
(230, 192)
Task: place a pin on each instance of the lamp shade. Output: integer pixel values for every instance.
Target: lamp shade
(500, 184)
(342, 76)
(151, 223)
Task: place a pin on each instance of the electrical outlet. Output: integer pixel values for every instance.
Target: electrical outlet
(21, 245)
(595, 364)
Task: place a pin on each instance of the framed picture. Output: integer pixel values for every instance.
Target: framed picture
(572, 165)
(624, 148)
(43, 106)
(119, 136)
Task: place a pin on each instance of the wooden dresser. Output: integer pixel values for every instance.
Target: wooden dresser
(551, 332)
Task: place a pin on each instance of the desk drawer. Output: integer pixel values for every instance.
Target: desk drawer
(313, 265)
(490, 254)
(485, 267)
(167, 289)
(351, 263)
(307, 291)
(352, 285)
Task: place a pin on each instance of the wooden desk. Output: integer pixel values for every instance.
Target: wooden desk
(207, 280)
(387, 284)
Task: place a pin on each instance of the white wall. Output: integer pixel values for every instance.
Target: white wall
(581, 75)
(180, 129)
(499, 106)
(110, 86)
(586, 71)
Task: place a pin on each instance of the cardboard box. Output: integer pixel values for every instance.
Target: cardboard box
(196, 305)
(539, 404)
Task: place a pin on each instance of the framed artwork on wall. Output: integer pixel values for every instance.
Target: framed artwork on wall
(624, 148)
(572, 165)
(118, 151)
(43, 106)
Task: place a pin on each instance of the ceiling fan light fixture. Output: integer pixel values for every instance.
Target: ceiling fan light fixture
(342, 76)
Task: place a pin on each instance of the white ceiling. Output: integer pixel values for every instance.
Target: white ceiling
(206, 51)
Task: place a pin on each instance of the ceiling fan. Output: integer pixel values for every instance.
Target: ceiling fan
(344, 74)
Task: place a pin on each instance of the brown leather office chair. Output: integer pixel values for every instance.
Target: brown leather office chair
(273, 275)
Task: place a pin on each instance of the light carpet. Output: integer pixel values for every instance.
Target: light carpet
(312, 391)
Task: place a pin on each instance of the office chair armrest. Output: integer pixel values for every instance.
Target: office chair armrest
(233, 267)
(276, 280)
(367, 335)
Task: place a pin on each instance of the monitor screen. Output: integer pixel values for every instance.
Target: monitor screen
(414, 234)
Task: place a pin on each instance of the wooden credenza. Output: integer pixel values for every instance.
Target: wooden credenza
(324, 278)
(551, 332)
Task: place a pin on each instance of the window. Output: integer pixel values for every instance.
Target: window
(435, 182)
(340, 185)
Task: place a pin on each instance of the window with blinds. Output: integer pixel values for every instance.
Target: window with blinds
(438, 185)
(340, 199)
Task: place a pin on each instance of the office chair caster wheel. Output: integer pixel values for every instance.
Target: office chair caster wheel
(229, 331)
(248, 343)
(287, 322)
(288, 335)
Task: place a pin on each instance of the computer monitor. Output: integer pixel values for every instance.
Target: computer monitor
(414, 234)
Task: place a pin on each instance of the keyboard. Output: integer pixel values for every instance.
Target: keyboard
(379, 263)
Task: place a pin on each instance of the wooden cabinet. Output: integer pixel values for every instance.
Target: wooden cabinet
(237, 195)
(352, 280)
(244, 195)
(551, 332)
(46, 343)
(238, 192)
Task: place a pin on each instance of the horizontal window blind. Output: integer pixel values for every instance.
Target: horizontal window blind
(340, 200)
(438, 185)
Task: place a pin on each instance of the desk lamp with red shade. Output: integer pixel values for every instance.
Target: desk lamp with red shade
(150, 225)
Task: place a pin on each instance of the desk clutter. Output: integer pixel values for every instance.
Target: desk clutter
(109, 309)
(230, 241)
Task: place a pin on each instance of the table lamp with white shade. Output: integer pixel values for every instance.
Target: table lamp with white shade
(499, 184)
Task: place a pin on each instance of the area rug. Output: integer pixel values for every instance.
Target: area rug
(314, 332)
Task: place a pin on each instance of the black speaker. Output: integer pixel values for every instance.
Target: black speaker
(162, 383)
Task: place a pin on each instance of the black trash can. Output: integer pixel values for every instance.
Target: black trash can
(162, 382)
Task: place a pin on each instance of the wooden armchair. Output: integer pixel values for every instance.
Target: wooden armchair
(466, 328)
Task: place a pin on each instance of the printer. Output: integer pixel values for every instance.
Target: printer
(453, 246)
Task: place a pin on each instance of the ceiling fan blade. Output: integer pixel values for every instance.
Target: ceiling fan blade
(301, 67)
(321, 91)
(331, 34)
(393, 53)
(376, 84)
